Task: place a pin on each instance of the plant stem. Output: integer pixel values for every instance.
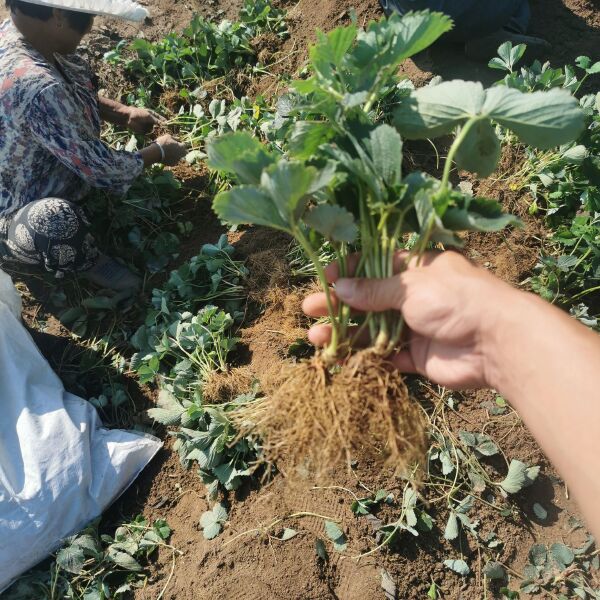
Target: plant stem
(332, 348)
(460, 138)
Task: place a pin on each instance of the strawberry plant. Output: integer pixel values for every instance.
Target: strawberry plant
(341, 179)
(204, 50)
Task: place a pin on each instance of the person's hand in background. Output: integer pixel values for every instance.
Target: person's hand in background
(142, 121)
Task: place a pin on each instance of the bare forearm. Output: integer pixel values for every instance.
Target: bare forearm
(113, 112)
(548, 366)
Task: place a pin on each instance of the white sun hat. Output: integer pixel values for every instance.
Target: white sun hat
(124, 9)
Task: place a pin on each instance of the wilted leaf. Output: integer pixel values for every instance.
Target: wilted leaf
(482, 443)
(494, 570)
(538, 555)
(478, 214)
(540, 512)
(388, 586)
(562, 555)
(212, 521)
(321, 550)
(451, 531)
(519, 476)
(575, 155)
(71, 559)
(458, 566)
(123, 559)
(336, 535)
(288, 534)
(432, 592)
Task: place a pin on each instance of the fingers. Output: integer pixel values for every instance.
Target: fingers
(372, 295)
(158, 119)
(315, 305)
(400, 264)
(320, 335)
(404, 362)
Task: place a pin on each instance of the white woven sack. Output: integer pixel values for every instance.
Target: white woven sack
(9, 295)
(123, 9)
(59, 468)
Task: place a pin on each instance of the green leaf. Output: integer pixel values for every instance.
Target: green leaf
(575, 155)
(336, 535)
(458, 566)
(540, 119)
(417, 31)
(385, 149)
(498, 63)
(435, 110)
(247, 205)
(562, 555)
(432, 592)
(307, 136)
(71, 559)
(289, 184)
(494, 570)
(333, 222)
(478, 214)
(331, 47)
(480, 151)
(519, 476)
(240, 155)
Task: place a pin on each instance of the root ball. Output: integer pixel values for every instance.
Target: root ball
(314, 419)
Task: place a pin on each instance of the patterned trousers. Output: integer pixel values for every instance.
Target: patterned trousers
(51, 233)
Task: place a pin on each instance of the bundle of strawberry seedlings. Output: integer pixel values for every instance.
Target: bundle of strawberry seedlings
(340, 178)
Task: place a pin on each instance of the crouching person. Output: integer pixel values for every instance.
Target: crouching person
(480, 26)
(51, 153)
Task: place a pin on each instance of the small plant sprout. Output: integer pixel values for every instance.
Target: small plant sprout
(341, 180)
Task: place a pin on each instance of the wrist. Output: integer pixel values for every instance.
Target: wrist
(509, 321)
(161, 149)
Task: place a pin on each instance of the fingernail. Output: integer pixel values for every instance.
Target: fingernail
(345, 289)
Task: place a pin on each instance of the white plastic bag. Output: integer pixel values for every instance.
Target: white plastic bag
(9, 295)
(59, 469)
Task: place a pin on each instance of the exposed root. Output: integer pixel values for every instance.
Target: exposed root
(225, 387)
(313, 419)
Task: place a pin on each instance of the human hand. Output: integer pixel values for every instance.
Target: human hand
(174, 150)
(450, 307)
(142, 121)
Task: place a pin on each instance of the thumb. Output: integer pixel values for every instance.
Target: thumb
(371, 295)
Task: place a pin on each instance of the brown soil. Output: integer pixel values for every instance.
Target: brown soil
(257, 566)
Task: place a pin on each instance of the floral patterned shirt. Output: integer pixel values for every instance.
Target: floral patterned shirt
(50, 129)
